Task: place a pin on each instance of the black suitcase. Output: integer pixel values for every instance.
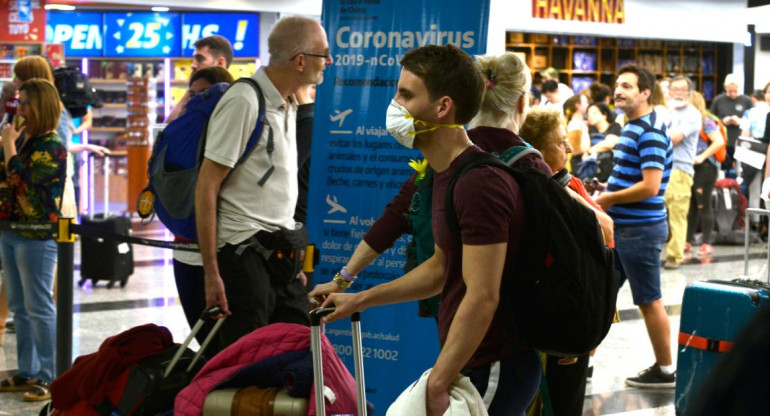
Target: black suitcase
(154, 382)
(102, 259)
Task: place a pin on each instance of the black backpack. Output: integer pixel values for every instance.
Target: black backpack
(75, 91)
(564, 288)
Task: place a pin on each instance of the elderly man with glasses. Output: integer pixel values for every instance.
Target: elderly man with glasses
(246, 230)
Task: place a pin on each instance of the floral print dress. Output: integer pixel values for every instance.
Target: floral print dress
(32, 182)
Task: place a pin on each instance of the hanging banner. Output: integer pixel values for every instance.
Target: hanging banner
(357, 167)
(22, 20)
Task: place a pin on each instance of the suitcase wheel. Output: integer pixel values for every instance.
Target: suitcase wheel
(110, 284)
(123, 283)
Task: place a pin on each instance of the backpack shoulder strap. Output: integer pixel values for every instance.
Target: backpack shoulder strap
(257, 133)
(562, 177)
(471, 161)
(515, 153)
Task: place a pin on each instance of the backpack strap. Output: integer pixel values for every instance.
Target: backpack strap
(469, 162)
(562, 177)
(257, 133)
(515, 153)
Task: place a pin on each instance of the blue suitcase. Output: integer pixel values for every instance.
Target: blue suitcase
(713, 315)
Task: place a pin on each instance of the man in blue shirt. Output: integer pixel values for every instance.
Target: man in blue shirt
(634, 200)
(684, 129)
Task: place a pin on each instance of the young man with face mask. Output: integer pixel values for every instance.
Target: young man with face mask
(684, 129)
(440, 90)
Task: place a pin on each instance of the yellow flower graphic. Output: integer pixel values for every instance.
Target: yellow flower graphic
(420, 166)
(44, 157)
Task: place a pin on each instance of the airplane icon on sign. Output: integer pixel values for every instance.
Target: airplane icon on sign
(335, 207)
(340, 116)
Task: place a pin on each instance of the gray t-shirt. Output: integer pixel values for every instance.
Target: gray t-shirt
(724, 106)
(244, 208)
(687, 120)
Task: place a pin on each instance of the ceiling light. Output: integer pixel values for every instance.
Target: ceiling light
(160, 9)
(64, 7)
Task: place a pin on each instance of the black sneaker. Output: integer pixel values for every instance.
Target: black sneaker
(653, 378)
(590, 374)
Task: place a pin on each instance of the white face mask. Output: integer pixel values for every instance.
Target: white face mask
(400, 124)
(678, 103)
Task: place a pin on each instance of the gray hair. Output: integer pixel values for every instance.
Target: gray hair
(508, 79)
(290, 36)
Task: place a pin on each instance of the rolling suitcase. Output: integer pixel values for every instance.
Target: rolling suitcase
(316, 329)
(275, 401)
(713, 315)
(102, 259)
(149, 386)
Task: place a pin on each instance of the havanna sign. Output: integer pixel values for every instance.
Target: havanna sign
(600, 11)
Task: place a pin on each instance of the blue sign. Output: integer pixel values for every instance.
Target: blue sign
(81, 33)
(141, 35)
(358, 167)
(241, 29)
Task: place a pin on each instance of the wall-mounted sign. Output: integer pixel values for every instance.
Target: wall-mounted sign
(22, 20)
(241, 29)
(600, 11)
(141, 34)
(80, 33)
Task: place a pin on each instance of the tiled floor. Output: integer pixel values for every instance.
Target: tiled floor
(150, 296)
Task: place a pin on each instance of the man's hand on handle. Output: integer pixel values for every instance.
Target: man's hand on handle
(346, 304)
(215, 295)
(320, 292)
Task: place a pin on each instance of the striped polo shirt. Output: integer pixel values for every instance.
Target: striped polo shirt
(644, 143)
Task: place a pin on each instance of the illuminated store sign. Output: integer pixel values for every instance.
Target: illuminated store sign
(600, 11)
(141, 34)
(80, 33)
(241, 29)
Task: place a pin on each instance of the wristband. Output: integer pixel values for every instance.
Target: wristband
(349, 277)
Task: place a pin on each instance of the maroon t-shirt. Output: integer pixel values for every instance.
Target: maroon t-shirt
(490, 210)
(394, 223)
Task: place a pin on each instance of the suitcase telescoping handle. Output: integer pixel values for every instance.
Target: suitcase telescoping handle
(316, 329)
(206, 315)
(756, 211)
(106, 185)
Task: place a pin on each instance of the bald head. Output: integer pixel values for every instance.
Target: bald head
(292, 35)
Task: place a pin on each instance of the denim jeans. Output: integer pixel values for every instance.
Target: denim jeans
(638, 255)
(28, 266)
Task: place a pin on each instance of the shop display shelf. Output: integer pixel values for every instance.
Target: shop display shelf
(106, 81)
(107, 129)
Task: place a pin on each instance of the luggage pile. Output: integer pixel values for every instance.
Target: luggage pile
(141, 372)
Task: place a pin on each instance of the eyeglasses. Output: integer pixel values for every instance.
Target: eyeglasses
(326, 56)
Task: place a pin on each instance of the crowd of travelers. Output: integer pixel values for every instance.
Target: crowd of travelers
(643, 156)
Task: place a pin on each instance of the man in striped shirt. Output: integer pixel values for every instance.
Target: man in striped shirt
(634, 200)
